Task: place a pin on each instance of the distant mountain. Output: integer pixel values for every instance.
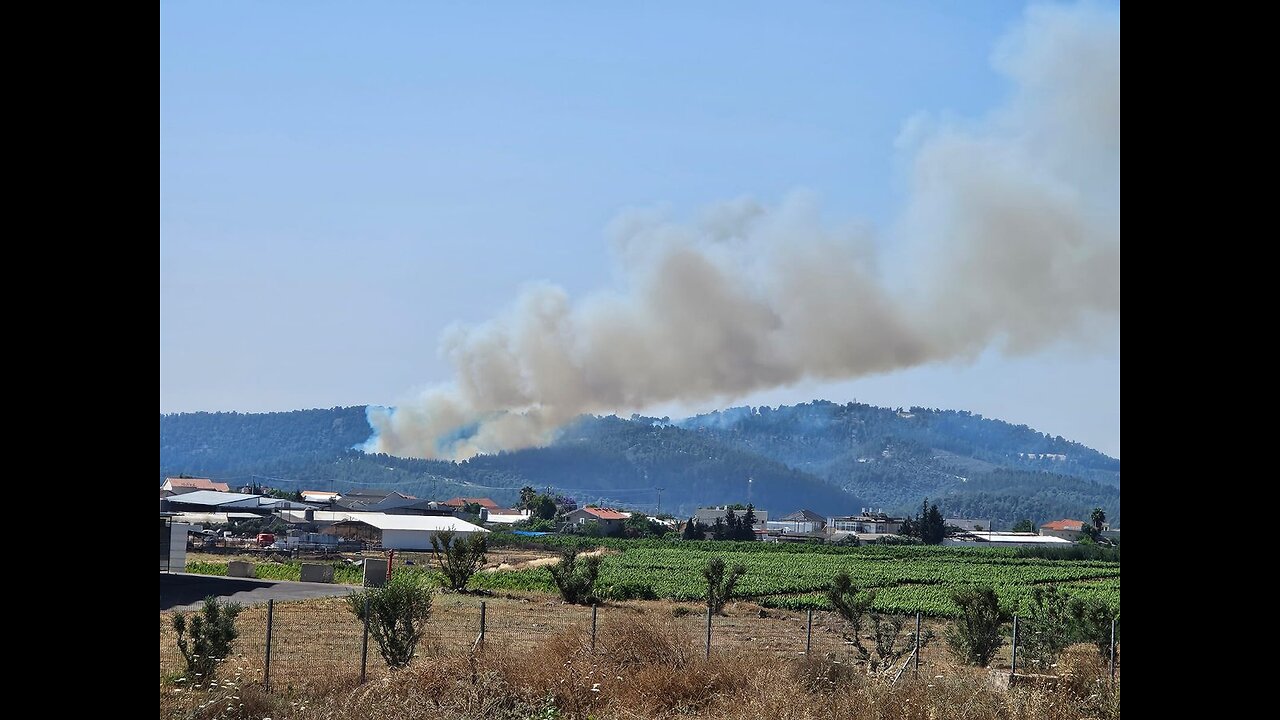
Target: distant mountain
(827, 457)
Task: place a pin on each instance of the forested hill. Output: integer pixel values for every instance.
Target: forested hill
(827, 457)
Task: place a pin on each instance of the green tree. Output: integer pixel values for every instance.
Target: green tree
(1092, 621)
(458, 557)
(693, 530)
(979, 632)
(1024, 525)
(853, 605)
(720, 585)
(934, 527)
(206, 640)
(1099, 518)
(397, 614)
(527, 495)
(544, 506)
(1047, 629)
(575, 577)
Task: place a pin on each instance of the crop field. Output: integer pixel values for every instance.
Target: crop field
(906, 579)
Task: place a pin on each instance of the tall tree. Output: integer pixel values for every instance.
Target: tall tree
(694, 530)
(1024, 525)
(935, 526)
(1099, 518)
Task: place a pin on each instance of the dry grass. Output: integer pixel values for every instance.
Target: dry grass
(537, 663)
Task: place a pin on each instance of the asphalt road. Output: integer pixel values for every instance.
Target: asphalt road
(180, 591)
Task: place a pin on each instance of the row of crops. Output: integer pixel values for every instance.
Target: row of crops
(906, 579)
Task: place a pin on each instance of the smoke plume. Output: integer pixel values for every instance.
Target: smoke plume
(1010, 238)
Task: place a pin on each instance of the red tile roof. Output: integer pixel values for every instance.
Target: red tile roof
(1076, 525)
(607, 513)
(197, 483)
(460, 501)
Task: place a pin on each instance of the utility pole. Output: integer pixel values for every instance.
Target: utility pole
(659, 510)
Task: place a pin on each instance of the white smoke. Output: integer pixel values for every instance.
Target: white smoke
(1010, 237)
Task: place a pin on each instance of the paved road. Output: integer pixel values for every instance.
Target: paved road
(181, 591)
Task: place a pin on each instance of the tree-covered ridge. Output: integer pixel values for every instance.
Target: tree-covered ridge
(822, 456)
(204, 443)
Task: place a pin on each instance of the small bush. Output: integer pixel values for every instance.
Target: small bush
(575, 578)
(629, 590)
(206, 640)
(458, 558)
(720, 586)
(979, 632)
(397, 615)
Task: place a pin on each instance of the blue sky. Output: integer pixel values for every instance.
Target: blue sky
(340, 183)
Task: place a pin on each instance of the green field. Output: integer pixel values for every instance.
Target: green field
(906, 579)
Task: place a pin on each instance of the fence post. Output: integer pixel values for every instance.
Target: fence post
(708, 632)
(593, 629)
(364, 643)
(808, 633)
(916, 671)
(482, 619)
(1013, 662)
(266, 667)
(1113, 650)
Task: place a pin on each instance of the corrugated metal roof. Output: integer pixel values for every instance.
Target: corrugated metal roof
(430, 523)
(210, 498)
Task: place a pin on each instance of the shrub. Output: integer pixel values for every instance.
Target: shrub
(397, 614)
(206, 640)
(719, 585)
(978, 633)
(1048, 628)
(575, 578)
(1092, 620)
(458, 558)
(629, 590)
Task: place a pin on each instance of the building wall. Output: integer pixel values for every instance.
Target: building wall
(857, 526)
(1072, 535)
(412, 539)
(176, 559)
(794, 527)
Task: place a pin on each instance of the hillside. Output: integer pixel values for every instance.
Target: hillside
(828, 457)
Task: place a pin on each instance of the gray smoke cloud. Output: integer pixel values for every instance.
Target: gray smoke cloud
(1010, 238)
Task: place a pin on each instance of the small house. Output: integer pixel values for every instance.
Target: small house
(610, 520)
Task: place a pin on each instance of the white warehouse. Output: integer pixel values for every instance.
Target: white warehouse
(402, 532)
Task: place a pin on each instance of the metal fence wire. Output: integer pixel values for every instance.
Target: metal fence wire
(319, 642)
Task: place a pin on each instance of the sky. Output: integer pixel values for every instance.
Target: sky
(340, 184)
